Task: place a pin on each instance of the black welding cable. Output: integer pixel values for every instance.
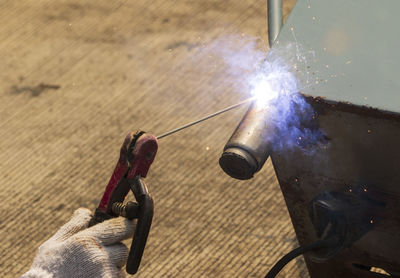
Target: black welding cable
(329, 242)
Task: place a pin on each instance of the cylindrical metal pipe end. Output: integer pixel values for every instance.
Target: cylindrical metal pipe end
(249, 146)
(238, 163)
(275, 20)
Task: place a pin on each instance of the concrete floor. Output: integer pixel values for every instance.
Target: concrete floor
(77, 76)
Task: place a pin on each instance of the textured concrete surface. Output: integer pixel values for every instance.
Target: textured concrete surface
(78, 75)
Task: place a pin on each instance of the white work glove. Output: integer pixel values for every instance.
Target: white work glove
(78, 251)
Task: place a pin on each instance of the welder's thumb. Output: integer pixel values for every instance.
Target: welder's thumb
(79, 221)
(111, 231)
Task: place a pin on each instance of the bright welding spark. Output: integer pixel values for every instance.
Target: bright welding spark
(263, 92)
(268, 79)
(272, 81)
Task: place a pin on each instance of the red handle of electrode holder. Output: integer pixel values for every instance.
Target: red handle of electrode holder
(137, 153)
(143, 155)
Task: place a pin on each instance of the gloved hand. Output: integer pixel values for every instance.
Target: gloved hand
(78, 251)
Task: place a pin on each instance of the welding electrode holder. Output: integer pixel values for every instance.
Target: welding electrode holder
(137, 154)
(249, 146)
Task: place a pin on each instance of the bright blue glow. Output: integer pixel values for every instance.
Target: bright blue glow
(276, 89)
(254, 70)
(263, 90)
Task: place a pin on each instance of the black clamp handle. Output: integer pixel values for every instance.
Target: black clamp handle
(145, 210)
(142, 211)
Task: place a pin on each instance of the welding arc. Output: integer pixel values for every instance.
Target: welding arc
(205, 118)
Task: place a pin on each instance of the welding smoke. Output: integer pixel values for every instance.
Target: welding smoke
(279, 119)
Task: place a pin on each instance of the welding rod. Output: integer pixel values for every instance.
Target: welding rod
(205, 118)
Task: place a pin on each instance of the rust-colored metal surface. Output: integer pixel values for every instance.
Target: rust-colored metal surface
(362, 152)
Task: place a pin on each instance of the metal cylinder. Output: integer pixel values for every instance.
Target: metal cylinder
(250, 144)
(275, 19)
